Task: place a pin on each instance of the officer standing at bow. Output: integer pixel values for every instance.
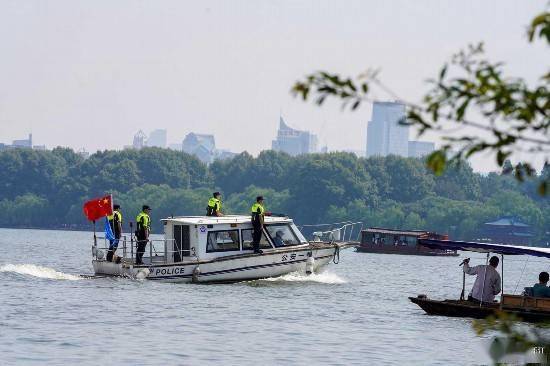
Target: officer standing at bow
(115, 221)
(258, 213)
(143, 223)
(214, 207)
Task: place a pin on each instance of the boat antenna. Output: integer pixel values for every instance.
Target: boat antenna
(484, 275)
(131, 241)
(501, 278)
(521, 275)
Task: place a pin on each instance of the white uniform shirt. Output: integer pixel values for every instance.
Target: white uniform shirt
(492, 282)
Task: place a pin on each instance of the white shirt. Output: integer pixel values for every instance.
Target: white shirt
(492, 282)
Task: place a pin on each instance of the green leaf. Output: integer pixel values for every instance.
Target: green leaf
(542, 189)
(437, 161)
(443, 72)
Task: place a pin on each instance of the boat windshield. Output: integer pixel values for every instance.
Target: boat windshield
(282, 235)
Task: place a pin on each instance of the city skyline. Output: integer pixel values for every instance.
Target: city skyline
(200, 67)
(159, 137)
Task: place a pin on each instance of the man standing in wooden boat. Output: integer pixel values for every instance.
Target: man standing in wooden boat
(487, 283)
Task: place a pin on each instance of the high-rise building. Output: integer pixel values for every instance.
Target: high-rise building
(419, 149)
(27, 143)
(83, 153)
(140, 140)
(202, 146)
(294, 142)
(385, 134)
(157, 138)
(223, 154)
(176, 147)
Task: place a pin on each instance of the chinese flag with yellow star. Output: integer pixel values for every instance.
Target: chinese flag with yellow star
(98, 208)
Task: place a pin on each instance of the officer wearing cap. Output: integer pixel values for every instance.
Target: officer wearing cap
(214, 207)
(258, 213)
(143, 225)
(115, 221)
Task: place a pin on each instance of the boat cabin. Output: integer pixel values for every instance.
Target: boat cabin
(208, 237)
(390, 241)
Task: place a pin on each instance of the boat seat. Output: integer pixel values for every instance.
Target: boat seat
(523, 301)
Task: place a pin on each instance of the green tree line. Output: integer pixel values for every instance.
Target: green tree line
(46, 189)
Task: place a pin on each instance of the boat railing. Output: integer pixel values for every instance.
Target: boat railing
(158, 251)
(335, 232)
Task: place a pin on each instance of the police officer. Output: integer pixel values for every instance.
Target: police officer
(258, 213)
(115, 221)
(143, 225)
(214, 207)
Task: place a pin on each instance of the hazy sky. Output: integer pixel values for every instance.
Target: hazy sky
(91, 73)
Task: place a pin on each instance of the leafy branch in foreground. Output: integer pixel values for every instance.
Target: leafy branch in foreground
(515, 116)
(515, 337)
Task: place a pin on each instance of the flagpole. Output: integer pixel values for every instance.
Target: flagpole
(95, 237)
(94, 247)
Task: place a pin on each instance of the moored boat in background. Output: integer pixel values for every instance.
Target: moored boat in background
(390, 241)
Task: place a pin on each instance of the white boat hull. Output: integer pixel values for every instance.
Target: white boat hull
(271, 263)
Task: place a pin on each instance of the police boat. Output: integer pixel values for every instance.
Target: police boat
(218, 249)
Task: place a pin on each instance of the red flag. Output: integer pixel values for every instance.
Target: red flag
(98, 208)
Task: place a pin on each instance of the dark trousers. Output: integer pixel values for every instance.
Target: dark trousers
(141, 244)
(256, 237)
(113, 245)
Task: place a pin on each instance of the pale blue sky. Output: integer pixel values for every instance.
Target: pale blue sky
(91, 73)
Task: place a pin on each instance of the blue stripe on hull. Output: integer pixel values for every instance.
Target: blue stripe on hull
(234, 269)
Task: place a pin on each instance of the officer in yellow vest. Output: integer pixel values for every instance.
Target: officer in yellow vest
(143, 225)
(258, 213)
(214, 207)
(115, 221)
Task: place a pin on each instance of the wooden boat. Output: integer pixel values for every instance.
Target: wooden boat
(389, 241)
(527, 308)
(524, 307)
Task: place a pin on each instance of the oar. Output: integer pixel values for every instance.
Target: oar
(463, 279)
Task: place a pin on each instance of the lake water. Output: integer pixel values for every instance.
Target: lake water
(356, 312)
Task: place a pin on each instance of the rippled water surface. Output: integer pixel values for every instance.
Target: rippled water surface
(356, 312)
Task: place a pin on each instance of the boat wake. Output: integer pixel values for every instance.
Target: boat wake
(38, 271)
(324, 277)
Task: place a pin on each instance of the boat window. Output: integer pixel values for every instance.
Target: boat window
(181, 243)
(282, 235)
(222, 241)
(298, 233)
(247, 240)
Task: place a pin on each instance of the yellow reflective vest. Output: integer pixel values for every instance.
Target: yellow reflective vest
(258, 212)
(256, 207)
(214, 205)
(143, 221)
(118, 214)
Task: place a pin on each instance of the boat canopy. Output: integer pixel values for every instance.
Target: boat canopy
(379, 230)
(485, 247)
